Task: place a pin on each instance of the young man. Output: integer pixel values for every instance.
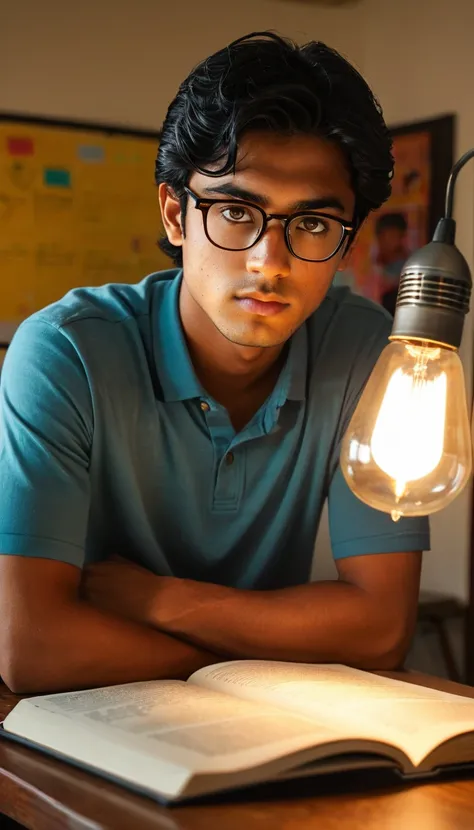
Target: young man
(190, 425)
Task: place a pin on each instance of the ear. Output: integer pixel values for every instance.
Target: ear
(344, 262)
(170, 214)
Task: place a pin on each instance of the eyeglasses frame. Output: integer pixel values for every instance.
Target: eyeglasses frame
(204, 205)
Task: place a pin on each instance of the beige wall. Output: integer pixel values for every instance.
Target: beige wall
(122, 61)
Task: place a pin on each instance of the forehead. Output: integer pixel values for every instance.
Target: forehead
(290, 157)
(289, 168)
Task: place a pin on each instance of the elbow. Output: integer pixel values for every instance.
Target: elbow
(10, 665)
(27, 681)
(12, 677)
(388, 660)
(22, 678)
(16, 684)
(24, 668)
(388, 650)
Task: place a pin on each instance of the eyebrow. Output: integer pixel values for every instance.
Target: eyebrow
(236, 192)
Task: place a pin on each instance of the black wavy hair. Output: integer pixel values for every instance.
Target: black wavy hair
(266, 82)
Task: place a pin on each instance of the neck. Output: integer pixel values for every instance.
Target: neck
(225, 368)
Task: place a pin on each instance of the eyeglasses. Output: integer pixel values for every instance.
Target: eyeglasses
(238, 225)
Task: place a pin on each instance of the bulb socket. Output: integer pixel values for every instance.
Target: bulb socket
(433, 296)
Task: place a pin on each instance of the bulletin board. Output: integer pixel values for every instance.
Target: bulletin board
(78, 207)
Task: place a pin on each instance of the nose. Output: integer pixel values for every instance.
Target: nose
(270, 257)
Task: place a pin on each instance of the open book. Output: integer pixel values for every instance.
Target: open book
(244, 722)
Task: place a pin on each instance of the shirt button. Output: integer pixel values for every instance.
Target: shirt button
(229, 459)
(205, 406)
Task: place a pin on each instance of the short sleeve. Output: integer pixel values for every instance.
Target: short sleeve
(46, 429)
(355, 528)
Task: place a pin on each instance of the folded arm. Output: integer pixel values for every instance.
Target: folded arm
(366, 618)
(51, 640)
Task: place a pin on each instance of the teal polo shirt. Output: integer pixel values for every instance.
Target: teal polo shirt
(110, 444)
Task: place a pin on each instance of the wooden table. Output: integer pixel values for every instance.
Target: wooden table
(45, 794)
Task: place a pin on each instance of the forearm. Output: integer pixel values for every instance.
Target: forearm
(86, 647)
(320, 622)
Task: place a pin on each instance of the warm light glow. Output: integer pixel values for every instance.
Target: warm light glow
(407, 442)
(407, 449)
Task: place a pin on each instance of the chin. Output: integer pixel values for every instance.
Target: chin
(258, 337)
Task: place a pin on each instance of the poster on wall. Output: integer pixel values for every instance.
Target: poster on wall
(423, 153)
(78, 207)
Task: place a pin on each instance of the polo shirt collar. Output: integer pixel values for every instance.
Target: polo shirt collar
(175, 370)
(296, 366)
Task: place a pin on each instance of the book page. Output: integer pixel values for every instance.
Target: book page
(194, 728)
(413, 718)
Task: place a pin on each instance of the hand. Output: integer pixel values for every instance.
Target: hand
(124, 588)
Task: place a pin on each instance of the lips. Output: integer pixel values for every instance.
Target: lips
(265, 308)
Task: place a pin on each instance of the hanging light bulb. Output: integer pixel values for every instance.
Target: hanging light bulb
(407, 449)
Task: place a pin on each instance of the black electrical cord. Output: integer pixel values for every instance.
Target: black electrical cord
(448, 213)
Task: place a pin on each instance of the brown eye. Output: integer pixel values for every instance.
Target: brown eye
(235, 213)
(312, 224)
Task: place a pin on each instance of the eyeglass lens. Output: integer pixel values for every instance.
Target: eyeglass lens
(237, 227)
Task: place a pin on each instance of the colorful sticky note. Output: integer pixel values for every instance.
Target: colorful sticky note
(56, 177)
(91, 152)
(20, 146)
